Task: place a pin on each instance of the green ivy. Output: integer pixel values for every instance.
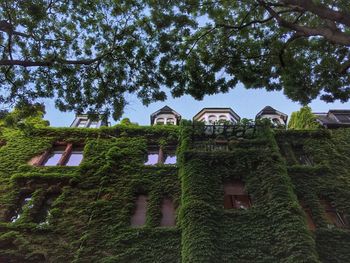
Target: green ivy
(90, 220)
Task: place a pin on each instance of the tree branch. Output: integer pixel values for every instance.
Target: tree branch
(321, 10)
(49, 63)
(281, 53)
(333, 36)
(241, 26)
(199, 38)
(8, 28)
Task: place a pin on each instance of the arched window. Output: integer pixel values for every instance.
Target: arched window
(24, 199)
(43, 213)
(212, 119)
(309, 220)
(170, 121)
(160, 121)
(276, 121)
(222, 118)
(235, 195)
(168, 213)
(139, 216)
(83, 123)
(332, 215)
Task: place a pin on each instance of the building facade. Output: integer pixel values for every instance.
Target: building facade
(174, 194)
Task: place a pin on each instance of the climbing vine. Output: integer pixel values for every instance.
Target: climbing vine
(92, 204)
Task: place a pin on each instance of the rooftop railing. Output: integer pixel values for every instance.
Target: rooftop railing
(223, 131)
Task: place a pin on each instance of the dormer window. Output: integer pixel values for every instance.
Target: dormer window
(212, 116)
(165, 115)
(222, 118)
(212, 119)
(82, 123)
(160, 121)
(85, 121)
(93, 124)
(276, 121)
(170, 121)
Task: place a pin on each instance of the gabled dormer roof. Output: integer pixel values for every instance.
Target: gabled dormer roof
(216, 110)
(165, 110)
(268, 110)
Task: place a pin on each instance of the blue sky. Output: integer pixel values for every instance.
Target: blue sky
(246, 103)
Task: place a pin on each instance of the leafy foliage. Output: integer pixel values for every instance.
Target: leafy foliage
(86, 54)
(285, 44)
(303, 119)
(25, 116)
(89, 54)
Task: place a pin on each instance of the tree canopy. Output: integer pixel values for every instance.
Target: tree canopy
(89, 55)
(303, 119)
(30, 115)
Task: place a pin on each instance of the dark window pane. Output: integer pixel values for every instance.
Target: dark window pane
(228, 202)
(276, 121)
(242, 201)
(301, 156)
(170, 121)
(160, 121)
(23, 202)
(332, 216)
(309, 220)
(235, 195)
(44, 211)
(170, 159)
(139, 216)
(335, 218)
(75, 158)
(152, 159)
(168, 213)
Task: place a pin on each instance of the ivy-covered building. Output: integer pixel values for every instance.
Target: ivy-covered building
(166, 193)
